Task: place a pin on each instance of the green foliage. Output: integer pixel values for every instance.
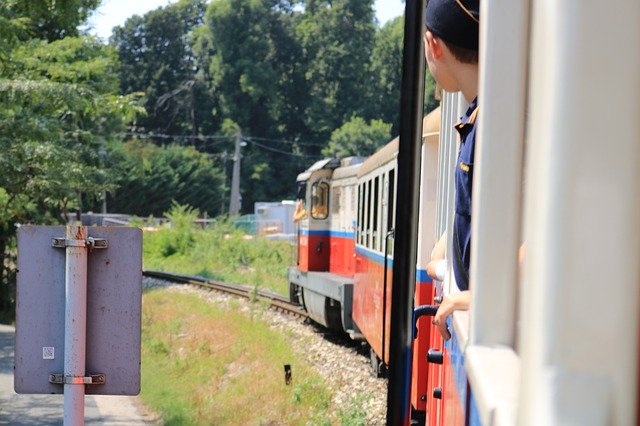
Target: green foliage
(157, 57)
(58, 110)
(356, 137)
(209, 362)
(430, 101)
(387, 69)
(179, 237)
(151, 177)
(12, 28)
(386, 64)
(258, 80)
(355, 414)
(225, 253)
(291, 77)
(337, 39)
(53, 20)
(299, 72)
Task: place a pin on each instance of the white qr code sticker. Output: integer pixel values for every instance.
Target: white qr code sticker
(48, 352)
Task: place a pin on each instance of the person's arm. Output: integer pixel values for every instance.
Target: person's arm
(453, 302)
(437, 262)
(300, 212)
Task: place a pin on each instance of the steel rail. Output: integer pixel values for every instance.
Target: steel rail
(276, 301)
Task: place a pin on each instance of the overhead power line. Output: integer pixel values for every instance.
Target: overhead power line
(250, 139)
(164, 136)
(268, 148)
(284, 141)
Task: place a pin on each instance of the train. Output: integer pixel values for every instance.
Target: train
(343, 273)
(553, 335)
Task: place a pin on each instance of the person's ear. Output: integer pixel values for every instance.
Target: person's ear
(434, 45)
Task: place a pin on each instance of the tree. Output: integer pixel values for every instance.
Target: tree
(358, 138)
(12, 28)
(259, 80)
(153, 177)
(387, 68)
(158, 58)
(53, 20)
(57, 108)
(337, 39)
(288, 73)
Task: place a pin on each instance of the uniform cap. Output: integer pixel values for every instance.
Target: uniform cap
(456, 22)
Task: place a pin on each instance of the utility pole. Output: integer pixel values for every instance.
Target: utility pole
(234, 202)
(225, 157)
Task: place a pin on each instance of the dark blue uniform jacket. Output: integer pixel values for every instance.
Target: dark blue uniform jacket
(464, 182)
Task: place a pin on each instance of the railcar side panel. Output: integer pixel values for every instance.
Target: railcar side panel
(342, 260)
(313, 250)
(368, 295)
(422, 343)
(454, 383)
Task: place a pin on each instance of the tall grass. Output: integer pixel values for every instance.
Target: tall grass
(206, 365)
(220, 252)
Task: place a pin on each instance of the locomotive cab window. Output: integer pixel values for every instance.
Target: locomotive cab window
(320, 200)
(301, 193)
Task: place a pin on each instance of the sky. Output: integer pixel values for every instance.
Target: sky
(116, 12)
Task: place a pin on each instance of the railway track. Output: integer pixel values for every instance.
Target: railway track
(275, 301)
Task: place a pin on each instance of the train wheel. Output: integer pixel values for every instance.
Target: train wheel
(333, 315)
(294, 293)
(378, 368)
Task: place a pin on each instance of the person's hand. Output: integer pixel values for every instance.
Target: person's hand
(453, 302)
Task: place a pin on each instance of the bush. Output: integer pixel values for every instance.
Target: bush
(220, 252)
(179, 237)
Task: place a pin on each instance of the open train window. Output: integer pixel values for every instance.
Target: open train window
(301, 193)
(320, 200)
(367, 225)
(360, 213)
(374, 227)
(391, 209)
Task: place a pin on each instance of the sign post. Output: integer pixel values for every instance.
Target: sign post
(75, 300)
(75, 324)
(76, 245)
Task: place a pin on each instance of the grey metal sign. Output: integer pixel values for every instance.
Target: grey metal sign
(114, 294)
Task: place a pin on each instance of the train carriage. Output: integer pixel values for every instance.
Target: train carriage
(322, 279)
(556, 193)
(544, 342)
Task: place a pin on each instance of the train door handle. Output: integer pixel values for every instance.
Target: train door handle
(435, 356)
(420, 311)
(319, 247)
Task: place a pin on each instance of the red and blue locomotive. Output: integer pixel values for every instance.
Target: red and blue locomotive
(343, 276)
